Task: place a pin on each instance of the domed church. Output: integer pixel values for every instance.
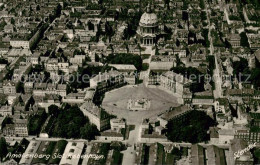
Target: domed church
(148, 27)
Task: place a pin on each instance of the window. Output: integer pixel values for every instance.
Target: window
(74, 144)
(71, 150)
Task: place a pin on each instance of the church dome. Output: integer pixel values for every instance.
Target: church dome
(148, 18)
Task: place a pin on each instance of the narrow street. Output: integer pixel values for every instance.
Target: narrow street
(216, 75)
(146, 73)
(130, 153)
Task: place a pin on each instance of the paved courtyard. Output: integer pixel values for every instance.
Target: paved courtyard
(115, 102)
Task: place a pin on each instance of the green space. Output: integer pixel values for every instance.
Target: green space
(117, 157)
(49, 125)
(245, 74)
(145, 56)
(203, 16)
(216, 39)
(145, 154)
(161, 154)
(169, 158)
(2, 25)
(244, 40)
(44, 151)
(145, 66)
(35, 122)
(192, 128)
(211, 67)
(205, 35)
(3, 148)
(58, 150)
(70, 122)
(256, 155)
(18, 148)
(125, 58)
(202, 4)
(101, 149)
(195, 74)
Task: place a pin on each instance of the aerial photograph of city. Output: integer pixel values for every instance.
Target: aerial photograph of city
(129, 82)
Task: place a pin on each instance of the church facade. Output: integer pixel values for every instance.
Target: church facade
(148, 28)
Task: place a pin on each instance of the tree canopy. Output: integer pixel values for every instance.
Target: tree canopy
(125, 58)
(244, 40)
(71, 123)
(240, 67)
(195, 74)
(88, 131)
(53, 110)
(35, 122)
(3, 148)
(192, 129)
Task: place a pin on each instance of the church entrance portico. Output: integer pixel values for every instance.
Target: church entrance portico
(147, 41)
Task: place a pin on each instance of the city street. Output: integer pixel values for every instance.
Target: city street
(216, 75)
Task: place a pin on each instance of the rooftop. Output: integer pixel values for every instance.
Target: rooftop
(176, 111)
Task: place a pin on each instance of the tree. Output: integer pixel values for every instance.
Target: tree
(89, 131)
(227, 44)
(38, 8)
(203, 15)
(71, 123)
(20, 87)
(198, 83)
(176, 152)
(185, 15)
(178, 43)
(125, 58)
(244, 40)
(3, 61)
(2, 25)
(256, 153)
(12, 21)
(109, 29)
(3, 148)
(202, 5)
(205, 35)
(97, 58)
(46, 76)
(193, 128)
(166, 2)
(7, 120)
(53, 110)
(90, 26)
(35, 122)
(240, 67)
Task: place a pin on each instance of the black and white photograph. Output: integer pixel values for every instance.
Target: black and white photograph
(129, 82)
